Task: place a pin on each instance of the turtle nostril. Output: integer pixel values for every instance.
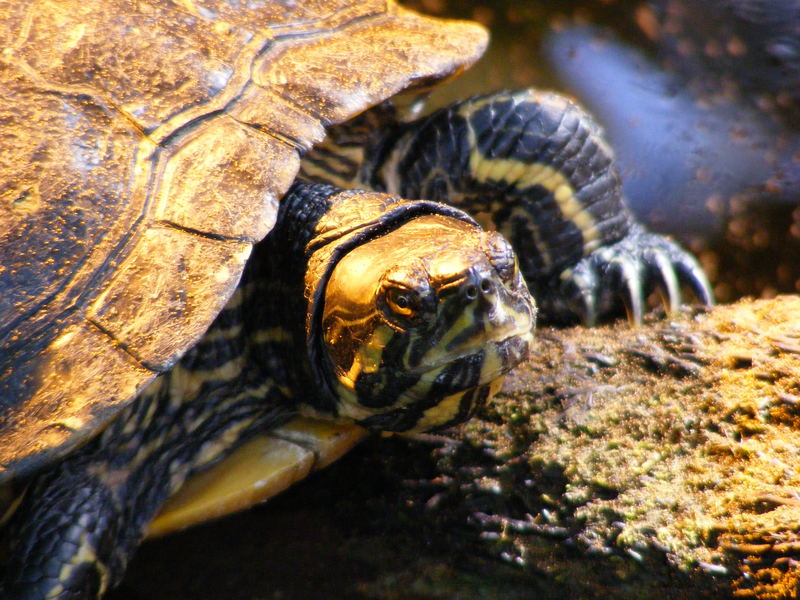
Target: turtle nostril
(484, 288)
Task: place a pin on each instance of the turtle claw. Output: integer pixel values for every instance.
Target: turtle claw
(582, 283)
(625, 273)
(692, 275)
(667, 282)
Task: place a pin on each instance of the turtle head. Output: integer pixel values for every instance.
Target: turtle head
(420, 324)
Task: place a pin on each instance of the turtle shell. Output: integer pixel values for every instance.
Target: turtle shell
(144, 148)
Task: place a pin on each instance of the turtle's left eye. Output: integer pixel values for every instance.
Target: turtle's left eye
(402, 303)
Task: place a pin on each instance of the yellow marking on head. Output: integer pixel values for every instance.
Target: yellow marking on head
(448, 408)
(350, 409)
(338, 325)
(465, 319)
(420, 389)
(368, 357)
(492, 365)
(445, 411)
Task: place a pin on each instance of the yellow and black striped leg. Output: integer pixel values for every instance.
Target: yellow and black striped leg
(535, 166)
(82, 520)
(65, 545)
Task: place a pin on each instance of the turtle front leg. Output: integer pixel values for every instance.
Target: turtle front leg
(68, 539)
(534, 166)
(81, 520)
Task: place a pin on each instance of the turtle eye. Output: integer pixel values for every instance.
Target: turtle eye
(508, 270)
(402, 303)
(502, 257)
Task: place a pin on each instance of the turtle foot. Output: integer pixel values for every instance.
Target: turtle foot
(625, 273)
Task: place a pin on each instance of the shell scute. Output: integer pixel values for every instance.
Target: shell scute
(143, 147)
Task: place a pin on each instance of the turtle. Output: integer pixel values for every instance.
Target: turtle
(177, 285)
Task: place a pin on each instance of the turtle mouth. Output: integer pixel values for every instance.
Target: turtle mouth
(501, 352)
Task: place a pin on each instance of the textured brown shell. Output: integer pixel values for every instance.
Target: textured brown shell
(144, 145)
